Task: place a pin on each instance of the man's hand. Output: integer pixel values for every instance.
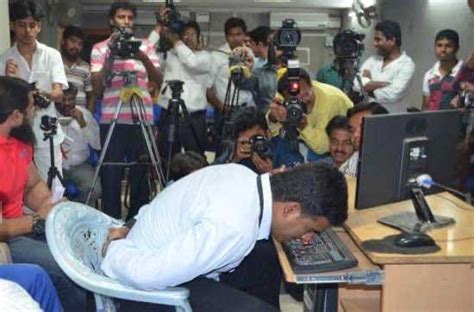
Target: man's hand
(366, 73)
(303, 123)
(11, 68)
(79, 116)
(114, 234)
(277, 110)
(243, 149)
(263, 165)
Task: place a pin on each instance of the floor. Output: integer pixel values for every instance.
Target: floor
(288, 304)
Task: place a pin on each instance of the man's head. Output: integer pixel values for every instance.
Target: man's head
(307, 198)
(235, 29)
(191, 35)
(25, 21)
(387, 37)
(340, 139)
(446, 45)
(72, 42)
(259, 40)
(16, 108)
(246, 125)
(356, 116)
(306, 93)
(185, 163)
(122, 14)
(69, 100)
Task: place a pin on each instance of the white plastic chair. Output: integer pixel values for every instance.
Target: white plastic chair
(75, 235)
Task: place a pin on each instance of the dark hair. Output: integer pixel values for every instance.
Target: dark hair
(24, 9)
(260, 34)
(183, 164)
(448, 34)
(336, 123)
(71, 89)
(234, 22)
(124, 5)
(319, 188)
(247, 119)
(284, 83)
(73, 31)
(373, 107)
(14, 95)
(390, 30)
(194, 25)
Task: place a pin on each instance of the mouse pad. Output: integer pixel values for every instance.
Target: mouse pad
(387, 245)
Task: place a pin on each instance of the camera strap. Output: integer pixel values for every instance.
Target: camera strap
(260, 196)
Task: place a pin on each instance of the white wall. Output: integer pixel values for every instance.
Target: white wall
(420, 20)
(4, 27)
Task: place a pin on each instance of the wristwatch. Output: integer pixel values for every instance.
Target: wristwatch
(38, 225)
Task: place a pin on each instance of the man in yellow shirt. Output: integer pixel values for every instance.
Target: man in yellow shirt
(322, 102)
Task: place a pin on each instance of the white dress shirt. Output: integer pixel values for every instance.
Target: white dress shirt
(77, 140)
(220, 77)
(203, 224)
(349, 167)
(192, 67)
(46, 69)
(397, 73)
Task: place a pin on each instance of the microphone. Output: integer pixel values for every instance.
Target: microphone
(426, 181)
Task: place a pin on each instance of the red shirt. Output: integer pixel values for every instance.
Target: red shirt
(15, 158)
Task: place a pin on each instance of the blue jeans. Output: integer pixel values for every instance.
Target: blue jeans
(36, 282)
(27, 250)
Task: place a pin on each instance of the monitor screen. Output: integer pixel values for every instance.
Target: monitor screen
(398, 147)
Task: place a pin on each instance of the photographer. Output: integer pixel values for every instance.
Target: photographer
(186, 61)
(251, 129)
(127, 139)
(81, 131)
(21, 185)
(321, 102)
(35, 62)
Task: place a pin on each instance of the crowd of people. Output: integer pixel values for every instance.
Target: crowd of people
(220, 216)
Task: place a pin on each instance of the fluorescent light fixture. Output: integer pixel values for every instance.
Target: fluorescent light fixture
(158, 1)
(272, 1)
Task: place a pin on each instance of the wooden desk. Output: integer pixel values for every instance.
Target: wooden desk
(441, 281)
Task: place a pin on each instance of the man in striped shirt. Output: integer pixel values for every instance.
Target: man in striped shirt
(77, 70)
(127, 139)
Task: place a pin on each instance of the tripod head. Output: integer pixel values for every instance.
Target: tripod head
(176, 87)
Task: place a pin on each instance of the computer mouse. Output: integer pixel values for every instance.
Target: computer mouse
(410, 240)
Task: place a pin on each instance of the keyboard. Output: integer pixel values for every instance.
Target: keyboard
(325, 252)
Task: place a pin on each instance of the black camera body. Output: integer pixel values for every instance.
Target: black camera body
(39, 100)
(124, 46)
(288, 36)
(348, 44)
(49, 124)
(173, 20)
(295, 108)
(261, 146)
(176, 87)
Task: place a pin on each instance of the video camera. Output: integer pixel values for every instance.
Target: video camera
(49, 123)
(466, 98)
(288, 37)
(348, 44)
(173, 20)
(261, 146)
(124, 46)
(38, 99)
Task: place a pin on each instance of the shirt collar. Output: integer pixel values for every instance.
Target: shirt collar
(265, 226)
(454, 70)
(39, 48)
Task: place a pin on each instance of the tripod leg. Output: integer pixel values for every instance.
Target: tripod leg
(104, 151)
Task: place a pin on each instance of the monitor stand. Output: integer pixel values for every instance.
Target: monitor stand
(421, 221)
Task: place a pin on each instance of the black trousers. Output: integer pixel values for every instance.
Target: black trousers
(253, 287)
(127, 142)
(184, 137)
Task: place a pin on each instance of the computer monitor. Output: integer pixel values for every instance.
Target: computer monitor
(398, 147)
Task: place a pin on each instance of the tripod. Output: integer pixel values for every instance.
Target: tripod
(349, 69)
(175, 104)
(50, 127)
(132, 95)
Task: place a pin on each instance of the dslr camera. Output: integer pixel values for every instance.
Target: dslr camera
(124, 46)
(348, 44)
(261, 146)
(38, 100)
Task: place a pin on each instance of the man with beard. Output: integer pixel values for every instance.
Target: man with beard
(21, 185)
(77, 70)
(386, 76)
(33, 61)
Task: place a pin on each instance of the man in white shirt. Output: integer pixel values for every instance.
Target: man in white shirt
(212, 221)
(33, 61)
(187, 62)
(386, 76)
(235, 29)
(81, 131)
